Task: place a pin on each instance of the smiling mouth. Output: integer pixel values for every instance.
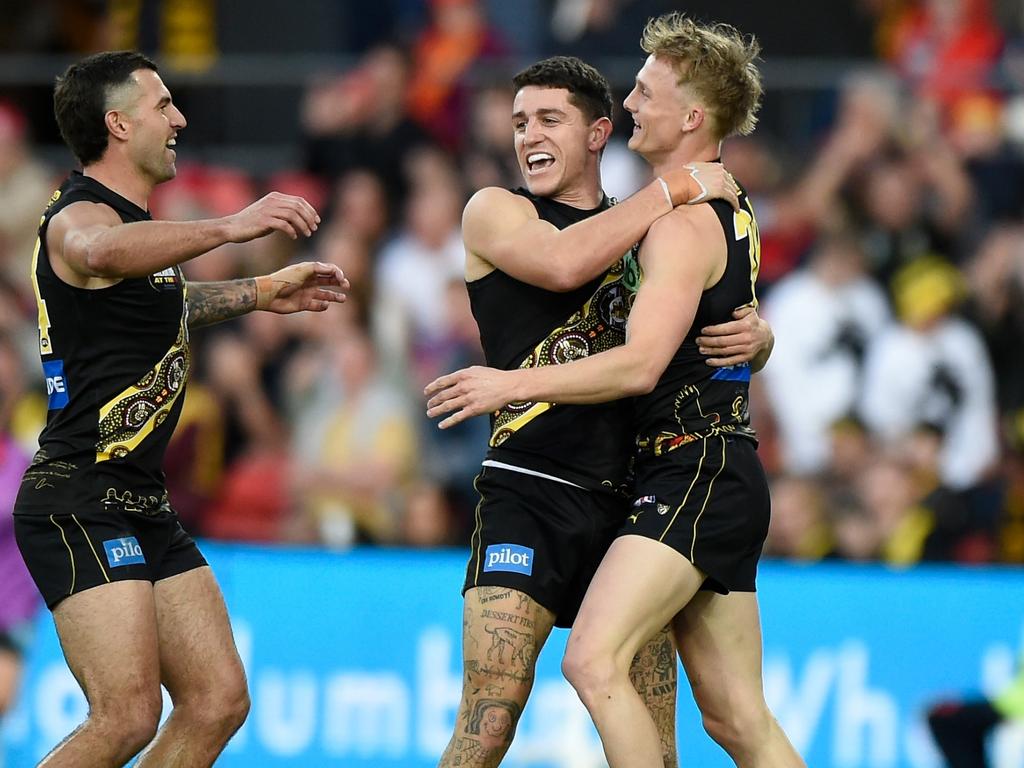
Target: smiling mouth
(539, 161)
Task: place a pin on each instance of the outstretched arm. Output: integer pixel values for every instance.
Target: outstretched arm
(210, 303)
(91, 241)
(501, 230)
(309, 287)
(658, 323)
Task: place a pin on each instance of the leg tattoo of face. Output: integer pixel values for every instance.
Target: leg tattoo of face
(494, 719)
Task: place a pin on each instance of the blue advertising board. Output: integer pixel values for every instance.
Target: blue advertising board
(354, 660)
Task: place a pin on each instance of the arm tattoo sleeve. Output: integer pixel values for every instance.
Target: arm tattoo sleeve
(210, 303)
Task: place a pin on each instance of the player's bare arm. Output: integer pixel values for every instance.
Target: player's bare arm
(502, 230)
(89, 241)
(748, 337)
(306, 287)
(658, 322)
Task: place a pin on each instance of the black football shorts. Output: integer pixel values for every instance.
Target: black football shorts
(542, 537)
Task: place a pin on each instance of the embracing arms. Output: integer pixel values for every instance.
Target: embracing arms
(501, 230)
(659, 320)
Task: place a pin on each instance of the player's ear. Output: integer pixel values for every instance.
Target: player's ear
(117, 124)
(600, 132)
(693, 118)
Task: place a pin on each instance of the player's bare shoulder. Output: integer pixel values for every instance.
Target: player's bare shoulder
(492, 214)
(690, 232)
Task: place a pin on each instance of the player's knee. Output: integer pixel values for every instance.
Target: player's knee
(131, 723)
(589, 670)
(222, 707)
(237, 708)
(740, 727)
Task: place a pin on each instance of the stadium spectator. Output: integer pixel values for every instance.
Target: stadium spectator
(19, 600)
(352, 484)
(932, 369)
(457, 37)
(25, 185)
(824, 314)
(358, 120)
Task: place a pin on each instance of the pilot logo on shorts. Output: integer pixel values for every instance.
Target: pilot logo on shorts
(124, 551)
(509, 557)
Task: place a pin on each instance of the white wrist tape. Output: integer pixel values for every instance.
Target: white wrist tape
(695, 175)
(668, 195)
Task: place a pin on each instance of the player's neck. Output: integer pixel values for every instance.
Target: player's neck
(125, 181)
(691, 149)
(585, 195)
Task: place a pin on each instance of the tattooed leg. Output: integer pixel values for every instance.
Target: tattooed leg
(503, 630)
(655, 677)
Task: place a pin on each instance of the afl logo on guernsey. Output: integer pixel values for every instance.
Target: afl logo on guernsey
(165, 280)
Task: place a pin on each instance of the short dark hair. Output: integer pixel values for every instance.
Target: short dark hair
(80, 99)
(588, 89)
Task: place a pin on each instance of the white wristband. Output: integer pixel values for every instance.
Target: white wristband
(694, 174)
(668, 195)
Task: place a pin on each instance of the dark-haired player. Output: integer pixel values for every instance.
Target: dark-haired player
(544, 272)
(133, 600)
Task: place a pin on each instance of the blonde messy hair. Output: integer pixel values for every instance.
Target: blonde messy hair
(717, 62)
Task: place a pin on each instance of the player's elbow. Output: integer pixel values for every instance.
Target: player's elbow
(92, 257)
(564, 280)
(641, 379)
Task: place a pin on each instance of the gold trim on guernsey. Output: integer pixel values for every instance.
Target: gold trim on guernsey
(132, 415)
(745, 226)
(45, 345)
(585, 332)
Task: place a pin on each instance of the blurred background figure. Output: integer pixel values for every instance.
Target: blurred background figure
(358, 461)
(823, 315)
(19, 599)
(25, 186)
(887, 174)
(889, 188)
(961, 727)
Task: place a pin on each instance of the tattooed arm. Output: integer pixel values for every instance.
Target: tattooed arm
(210, 303)
(306, 287)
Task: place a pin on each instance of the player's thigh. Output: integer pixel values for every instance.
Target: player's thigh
(503, 632)
(109, 637)
(640, 585)
(198, 657)
(719, 641)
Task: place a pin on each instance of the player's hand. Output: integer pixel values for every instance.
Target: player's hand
(311, 286)
(698, 183)
(737, 341)
(273, 213)
(467, 393)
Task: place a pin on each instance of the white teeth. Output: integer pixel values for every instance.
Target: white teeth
(171, 143)
(536, 157)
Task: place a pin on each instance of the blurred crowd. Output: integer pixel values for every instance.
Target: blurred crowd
(891, 414)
